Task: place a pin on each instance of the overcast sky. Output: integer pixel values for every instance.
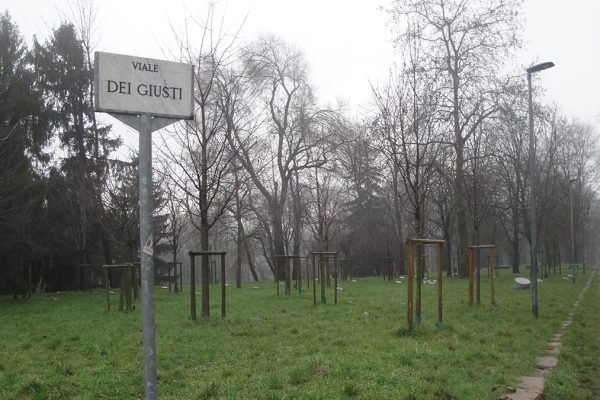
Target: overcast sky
(347, 42)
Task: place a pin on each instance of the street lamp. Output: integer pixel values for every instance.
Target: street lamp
(573, 262)
(534, 286)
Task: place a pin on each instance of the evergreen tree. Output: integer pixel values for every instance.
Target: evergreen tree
(365, 211)
(62, 66)
(22, 137)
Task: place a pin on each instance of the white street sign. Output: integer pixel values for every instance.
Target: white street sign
(137, 85)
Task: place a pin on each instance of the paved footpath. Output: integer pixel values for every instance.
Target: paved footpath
(532, 387)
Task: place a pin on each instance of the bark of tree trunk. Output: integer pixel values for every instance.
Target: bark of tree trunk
(461, 218)
(204, 226)
(278, 240)
(399, 234)
(238, 261)
(249, 258)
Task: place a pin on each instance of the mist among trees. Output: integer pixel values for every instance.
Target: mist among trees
(266, 168)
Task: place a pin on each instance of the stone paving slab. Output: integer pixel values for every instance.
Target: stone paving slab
(530, 388)
(546, 362)
(554, 352)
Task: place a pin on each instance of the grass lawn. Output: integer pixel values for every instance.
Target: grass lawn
(578, 373)
(66, 346)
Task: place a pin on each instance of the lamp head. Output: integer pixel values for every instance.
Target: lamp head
(540, 67)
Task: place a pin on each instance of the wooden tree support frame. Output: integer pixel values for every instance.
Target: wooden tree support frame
(554, 263)
(193, 255)
(172, 265)
(322, 277)
(410, 244)
(346, 272)
(288, 274)
(87, 275)
(127, 283)
(137, 278)
(491, 272)
(389, 268)
(542, 264)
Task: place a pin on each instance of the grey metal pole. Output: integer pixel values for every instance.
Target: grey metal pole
(572, 229)
(147, 265)
(534, 283)
(573, 262)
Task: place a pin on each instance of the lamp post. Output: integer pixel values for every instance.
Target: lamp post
(573, 262)
(534, 287)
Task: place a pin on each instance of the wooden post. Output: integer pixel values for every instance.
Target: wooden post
(559, 265)
(440, 266)
(121, 291)
(106, 284)
(180, 276)
(277, 275)
(222, 285)
(307, 274)
(298, 265)
(492, 267)
(419, 283)
(169, 276)
(128, 277)
(478, 277)
(314, 281)
(409, 281)
(470, 274)
(335, 279)
(322, 279)
(137, 267)
(193, 285)
(175, 278)
(288, 283)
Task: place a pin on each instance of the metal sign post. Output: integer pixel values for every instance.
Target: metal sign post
(145, 178)
(147, 95)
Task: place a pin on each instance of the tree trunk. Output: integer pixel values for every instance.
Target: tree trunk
(278, 241)
(461, 218)
(204, 227)
(175, 266)
(419, 234)
(238, 261)
(250, 260)
(239, 238)
(447, 248)
(398, 228)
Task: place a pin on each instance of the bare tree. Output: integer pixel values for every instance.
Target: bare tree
(467, 43)
(199, 164)
(578, 173)
(511, 130)
(325, 201)
(175, 225)
(407, 128)
(291, 138)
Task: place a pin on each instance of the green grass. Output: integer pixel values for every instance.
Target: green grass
(66, 346)
(578, 373)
